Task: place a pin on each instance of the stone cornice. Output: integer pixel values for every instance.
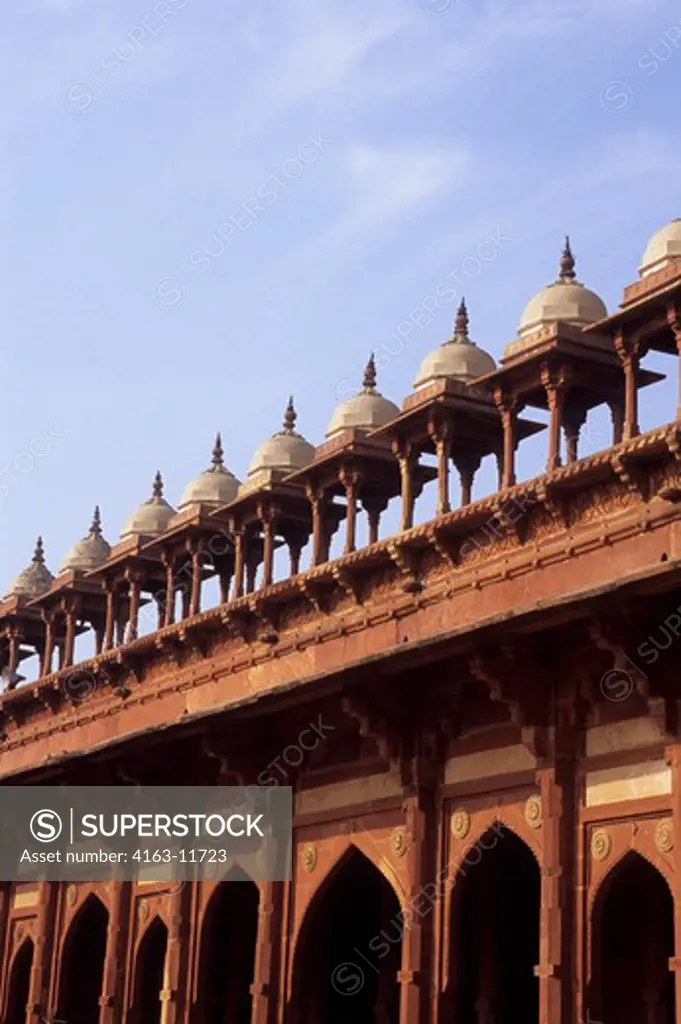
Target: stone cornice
(293, 631)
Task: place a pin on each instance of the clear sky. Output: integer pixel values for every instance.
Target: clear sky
(207, 205)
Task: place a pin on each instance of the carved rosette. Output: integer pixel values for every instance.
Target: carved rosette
(72, 895)
(399, 840)
(308, 858)
(533, 811)
(664, 836)
(143, 912)
(460, 823)
(601, 844)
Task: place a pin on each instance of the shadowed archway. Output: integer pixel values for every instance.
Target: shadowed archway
(633, 940)
(349, 950)
(228, 941)
(495, 933)
(19, 984)
(149, 974)
(82, 964)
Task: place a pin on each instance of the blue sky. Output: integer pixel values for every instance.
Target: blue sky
(207, 205)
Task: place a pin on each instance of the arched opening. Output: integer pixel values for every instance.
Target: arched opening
(633, 940)
(19, 984)
(350, 949)
(229, 937)
(82, 965)
(495, 933)
(151, 961)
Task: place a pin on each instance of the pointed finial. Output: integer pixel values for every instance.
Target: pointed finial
(290, 416)
(461, 321)
(96, 525)
(158, 485)
(369, 381)
(218, 459)
(567, 263)
(39, 553)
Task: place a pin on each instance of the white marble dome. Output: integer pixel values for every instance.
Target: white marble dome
(286, 450)
(459, 358)
(566, 299)
(367, 410)
(36, 579)
(215, 486)
(152, 517)
(663, 248)
(90, 552)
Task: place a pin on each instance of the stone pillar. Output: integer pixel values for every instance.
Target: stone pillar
(467, 466)
(111, 999)
(317, 498)
(508, 409)
(169, 603)
(38, 995)
(70, 638)
(254, 553)
(48, 619)
(407, 457)
(440, 432)
(574, 418)
(296, 541)
(417, 944)
(15, 638)
(350, 478)
(630, 355)
(134, 583)
(268, 519)
(175, 990)
(195, 598)
(110, 618)
(558, 822)
(374, 507)
(555, 386)
(674, 759)
(674, 321)
(267, 954)
(225, 576)
(239, 561)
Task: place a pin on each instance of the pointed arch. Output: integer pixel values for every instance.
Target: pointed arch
(229, 935)
(149, 977)
(493, 917)
(19, 983)
(631, 943)
(357, 845)
(497, 821)
(82, 963)
(611, 873)
(351, 966)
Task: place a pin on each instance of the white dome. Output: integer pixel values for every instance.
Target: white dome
(36, 579)
(367, 410)
(216, 486)
(456, 359)
(286, 450)
(90, 552)
(663, 248)
(566, 299)
(152, 517)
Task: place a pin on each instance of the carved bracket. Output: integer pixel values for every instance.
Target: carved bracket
(318, 592)
(267, 614)
(349, 582)
(373, 725)
(630, 475)
(408, 562)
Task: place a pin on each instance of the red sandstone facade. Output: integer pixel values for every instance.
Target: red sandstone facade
(479, 717)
